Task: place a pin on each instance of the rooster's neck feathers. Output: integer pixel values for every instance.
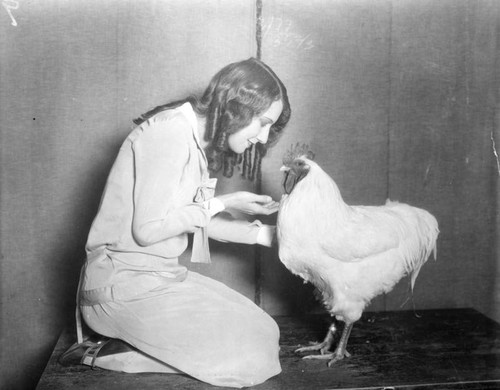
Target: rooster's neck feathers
(318, 189)
(319, 182)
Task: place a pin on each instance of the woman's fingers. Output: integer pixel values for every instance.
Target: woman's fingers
(262, 199)
(250, 203)
(272, 206)
(263, 209)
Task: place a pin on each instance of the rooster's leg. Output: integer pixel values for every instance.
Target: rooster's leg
(324, 346)
(340, 351)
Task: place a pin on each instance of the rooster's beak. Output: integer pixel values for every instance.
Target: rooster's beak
(284, 169)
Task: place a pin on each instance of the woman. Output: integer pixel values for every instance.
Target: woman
(158, 191)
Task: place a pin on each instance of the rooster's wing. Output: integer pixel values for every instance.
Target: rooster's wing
(367, 231)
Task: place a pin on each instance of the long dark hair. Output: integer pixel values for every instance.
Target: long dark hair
(238, 93)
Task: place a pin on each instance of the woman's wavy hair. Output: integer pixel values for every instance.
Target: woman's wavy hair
(238, 93)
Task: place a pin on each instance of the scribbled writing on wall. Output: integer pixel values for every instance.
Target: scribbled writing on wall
(280, 32)
(9, 6)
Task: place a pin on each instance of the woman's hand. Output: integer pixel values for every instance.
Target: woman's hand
(249, 203)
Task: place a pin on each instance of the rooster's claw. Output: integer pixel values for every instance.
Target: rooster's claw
(338, 356)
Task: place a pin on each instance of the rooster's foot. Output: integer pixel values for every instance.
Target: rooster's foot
(332, 357)
(321, 347)
(338, 356)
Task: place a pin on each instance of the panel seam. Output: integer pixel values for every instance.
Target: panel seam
(389, 116)
(258, 184)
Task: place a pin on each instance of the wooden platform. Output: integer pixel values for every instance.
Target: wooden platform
(443, 349)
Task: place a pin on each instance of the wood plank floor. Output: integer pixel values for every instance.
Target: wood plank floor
(443, 349)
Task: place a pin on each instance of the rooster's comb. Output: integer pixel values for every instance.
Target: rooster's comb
(295, 151)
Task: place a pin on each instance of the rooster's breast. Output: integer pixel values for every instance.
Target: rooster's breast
(298, 241)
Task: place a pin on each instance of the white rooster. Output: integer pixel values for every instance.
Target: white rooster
(350, 254)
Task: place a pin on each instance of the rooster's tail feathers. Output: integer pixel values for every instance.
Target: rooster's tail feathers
(427, 232)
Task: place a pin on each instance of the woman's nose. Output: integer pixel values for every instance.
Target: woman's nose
(264, 134)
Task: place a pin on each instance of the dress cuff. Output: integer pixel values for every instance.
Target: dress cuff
(214, 206)
(265, 236)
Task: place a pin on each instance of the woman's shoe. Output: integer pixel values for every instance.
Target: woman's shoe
(86, 352)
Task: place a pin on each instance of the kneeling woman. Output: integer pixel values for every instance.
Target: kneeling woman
(158, 191)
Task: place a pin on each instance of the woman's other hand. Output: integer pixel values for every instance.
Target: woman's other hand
(249, 203)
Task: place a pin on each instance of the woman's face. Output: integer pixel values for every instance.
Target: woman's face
(257, 130)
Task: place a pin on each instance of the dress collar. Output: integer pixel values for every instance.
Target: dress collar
(187, 110)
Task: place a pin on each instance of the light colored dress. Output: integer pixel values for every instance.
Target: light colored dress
(132, 286)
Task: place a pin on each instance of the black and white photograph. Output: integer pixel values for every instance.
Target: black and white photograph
(264, 194)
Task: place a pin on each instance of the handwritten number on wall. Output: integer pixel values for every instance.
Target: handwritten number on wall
(280, 32)
(9, 5)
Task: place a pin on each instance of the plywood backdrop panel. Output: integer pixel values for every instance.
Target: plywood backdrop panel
(398, 100)
(443, 89)
(334, 59)
(73, 76)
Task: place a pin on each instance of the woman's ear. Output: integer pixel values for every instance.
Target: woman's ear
(236, 116)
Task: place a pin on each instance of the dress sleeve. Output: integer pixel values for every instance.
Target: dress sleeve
(224, 227)
(162, 207)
